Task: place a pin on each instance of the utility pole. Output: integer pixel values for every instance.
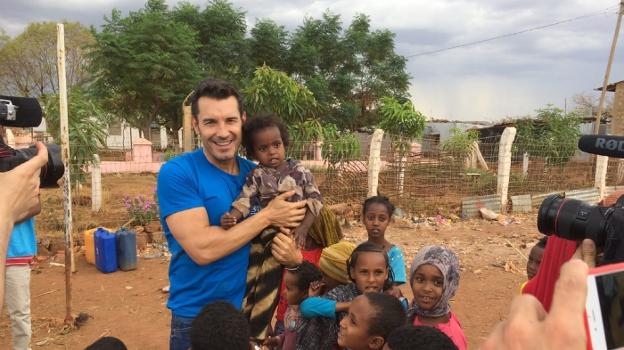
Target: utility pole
(605, 82)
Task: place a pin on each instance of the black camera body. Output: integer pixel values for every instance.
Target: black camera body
(26, 112)
(576, 220)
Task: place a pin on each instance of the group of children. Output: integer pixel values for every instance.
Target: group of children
(323, 313)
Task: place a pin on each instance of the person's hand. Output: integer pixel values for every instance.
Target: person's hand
(586, 251)
(395, 291)
(285, 214)
(529, 327)
(19, 192)
(227, 220)
(300, 237)
(285, 250)
(315, 288)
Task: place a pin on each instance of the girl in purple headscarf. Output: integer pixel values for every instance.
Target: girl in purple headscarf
(434, 277)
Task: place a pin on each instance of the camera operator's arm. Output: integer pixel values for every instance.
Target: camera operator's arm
(530, 327)
(19, 198)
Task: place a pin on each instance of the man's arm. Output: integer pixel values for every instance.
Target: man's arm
(206, 244)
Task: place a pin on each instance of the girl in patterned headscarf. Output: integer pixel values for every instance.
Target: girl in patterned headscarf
(434, 277)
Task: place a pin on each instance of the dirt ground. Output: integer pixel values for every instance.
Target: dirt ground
(130, 305)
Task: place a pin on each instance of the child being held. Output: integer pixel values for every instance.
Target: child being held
(371, 319)
(298, 281)
(535, 257)
(434, 277)
(265, 139)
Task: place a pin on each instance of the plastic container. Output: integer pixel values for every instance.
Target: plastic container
(126, 250)
(89, 242)
(105, 251)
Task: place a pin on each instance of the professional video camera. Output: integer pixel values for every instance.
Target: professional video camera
(26, 112)
(576, 220)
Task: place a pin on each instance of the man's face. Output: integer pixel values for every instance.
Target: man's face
(219, 125)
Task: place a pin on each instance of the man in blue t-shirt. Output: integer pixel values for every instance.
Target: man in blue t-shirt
(209, 263)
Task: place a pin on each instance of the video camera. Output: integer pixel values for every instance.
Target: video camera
(576, 220)
(26, 112)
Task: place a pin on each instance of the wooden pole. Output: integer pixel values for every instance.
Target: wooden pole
(187, 128)
(504, 165)
(602, 161)
(374, 162)
(605, 82)
(67, 201)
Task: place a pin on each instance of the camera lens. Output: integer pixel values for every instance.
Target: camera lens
(570, 218)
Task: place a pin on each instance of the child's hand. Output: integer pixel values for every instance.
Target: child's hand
(315, 288)
(271, 342)
(300, 237)
(395, 291)
(227, 221)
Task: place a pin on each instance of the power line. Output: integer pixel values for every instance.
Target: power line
(593, 14)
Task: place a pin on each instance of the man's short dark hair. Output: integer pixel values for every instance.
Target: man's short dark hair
(220, 326)
(217, 89)
(420, 337)
(107, 343)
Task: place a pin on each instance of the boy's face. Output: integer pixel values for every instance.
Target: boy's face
(427, 286)
(294, 295)
(268, 147)
(535, 258)
(354, 327)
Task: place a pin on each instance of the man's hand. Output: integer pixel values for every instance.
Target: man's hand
(586, 251)
(227, 220)
(529, 327)
(285, 250)
(19, 189)
(281, 213)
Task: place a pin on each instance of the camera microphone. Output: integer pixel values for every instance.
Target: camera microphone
(20, 112)
(603, 145)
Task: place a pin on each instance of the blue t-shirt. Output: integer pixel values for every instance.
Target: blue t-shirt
(191, 181)
(23, 242)
(397, 264)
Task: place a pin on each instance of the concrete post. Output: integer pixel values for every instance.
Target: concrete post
(374, 162)
(504, 164)
(96, 185)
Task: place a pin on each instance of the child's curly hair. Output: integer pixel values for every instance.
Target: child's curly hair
(261, 122)
(306, 274)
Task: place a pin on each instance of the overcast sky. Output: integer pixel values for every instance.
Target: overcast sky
(502, 78)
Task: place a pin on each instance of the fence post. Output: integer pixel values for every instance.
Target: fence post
(525, 165)
(96, 184)
(504, 164)
(600, 181)
(374, 162)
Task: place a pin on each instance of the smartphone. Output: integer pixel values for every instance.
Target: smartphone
(605, 307)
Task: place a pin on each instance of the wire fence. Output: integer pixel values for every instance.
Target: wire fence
(425, 181)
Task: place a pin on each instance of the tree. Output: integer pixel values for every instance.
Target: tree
(460, 142)
(273, 91)
(552, 134)
(144, 66)
(29, 60)
(87, 125)
(268, 44)
(404, 124)
(4, 38)
(223, 51)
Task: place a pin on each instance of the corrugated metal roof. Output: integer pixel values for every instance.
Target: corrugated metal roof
(471, 205)
(589, 195)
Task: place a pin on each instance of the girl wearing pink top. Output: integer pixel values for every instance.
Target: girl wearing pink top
(434, 277)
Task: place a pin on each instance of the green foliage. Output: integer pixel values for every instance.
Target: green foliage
(141, 209)
(274, 91)
(402, 122)
(552, 135)
(339, 146)
(29, 65)
(460, 142)
(268, 44)
(144, 65)
(87, 125)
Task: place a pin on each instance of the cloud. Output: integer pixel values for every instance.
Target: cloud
(507, 77)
